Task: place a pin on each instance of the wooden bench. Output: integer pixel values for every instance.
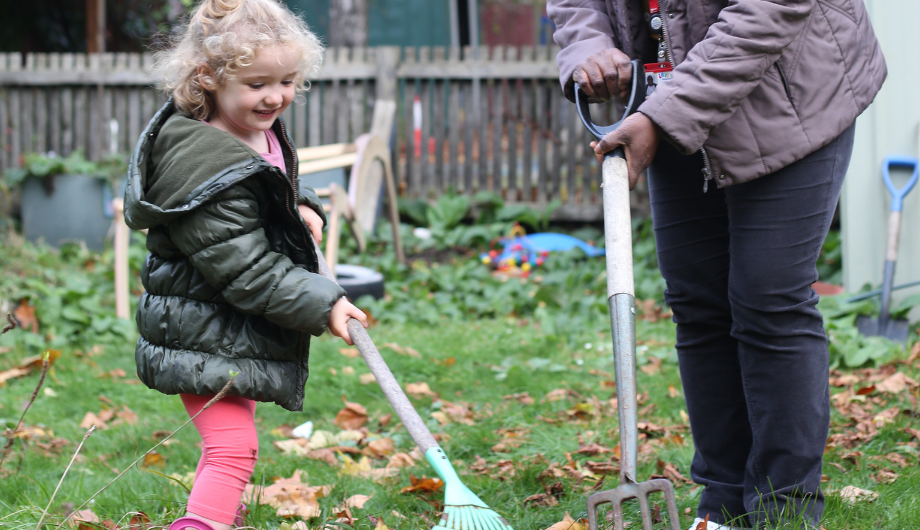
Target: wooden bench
(371, 167)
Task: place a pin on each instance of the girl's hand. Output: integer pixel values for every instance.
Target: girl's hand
(338, 319)
(313, 220)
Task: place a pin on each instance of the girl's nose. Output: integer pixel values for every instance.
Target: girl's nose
(274, 99)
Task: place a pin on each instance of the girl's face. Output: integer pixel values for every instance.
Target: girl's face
(249, 103)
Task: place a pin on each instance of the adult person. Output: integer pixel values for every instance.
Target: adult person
(758, 122)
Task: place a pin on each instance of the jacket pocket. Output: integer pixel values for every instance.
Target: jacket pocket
(782, 77)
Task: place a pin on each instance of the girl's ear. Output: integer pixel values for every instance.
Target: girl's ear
(206, 78)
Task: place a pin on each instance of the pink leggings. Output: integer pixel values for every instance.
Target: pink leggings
(229, 451)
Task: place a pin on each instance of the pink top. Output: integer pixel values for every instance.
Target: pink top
(274, 156)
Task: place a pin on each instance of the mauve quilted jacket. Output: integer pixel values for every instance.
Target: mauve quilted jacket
(758, 84)
(230, 282)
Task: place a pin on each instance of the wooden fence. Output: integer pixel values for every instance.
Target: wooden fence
(491, 119)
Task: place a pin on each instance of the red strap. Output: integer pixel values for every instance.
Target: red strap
(653, 7)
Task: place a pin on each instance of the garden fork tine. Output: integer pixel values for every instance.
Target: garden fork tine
(622, 303)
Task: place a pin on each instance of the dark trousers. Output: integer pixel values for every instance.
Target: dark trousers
(739, 264)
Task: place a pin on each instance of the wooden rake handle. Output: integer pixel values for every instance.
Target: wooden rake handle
(391, 389)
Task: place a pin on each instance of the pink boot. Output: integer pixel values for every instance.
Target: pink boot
(240, 519)
(188, 522)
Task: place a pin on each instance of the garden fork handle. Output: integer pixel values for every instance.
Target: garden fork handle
(391, 389)
(621, 301)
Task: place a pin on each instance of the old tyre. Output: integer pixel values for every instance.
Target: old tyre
(359, 281)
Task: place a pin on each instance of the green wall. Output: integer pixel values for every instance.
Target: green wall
(390, 22)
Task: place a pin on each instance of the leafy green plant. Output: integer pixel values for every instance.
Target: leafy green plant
(44, 165)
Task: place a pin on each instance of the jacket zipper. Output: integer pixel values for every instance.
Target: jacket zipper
(707, 171)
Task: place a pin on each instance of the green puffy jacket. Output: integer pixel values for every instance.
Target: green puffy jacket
(230, 280)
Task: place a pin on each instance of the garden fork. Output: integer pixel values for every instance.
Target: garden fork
(622, 303)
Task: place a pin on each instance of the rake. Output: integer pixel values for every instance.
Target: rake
(622, 303)
(463, 509)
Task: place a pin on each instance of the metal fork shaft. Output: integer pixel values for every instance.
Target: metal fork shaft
(623, 326)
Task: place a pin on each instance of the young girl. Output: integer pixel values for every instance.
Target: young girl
(231, 283)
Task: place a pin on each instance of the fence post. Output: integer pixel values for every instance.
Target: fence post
(387, 59)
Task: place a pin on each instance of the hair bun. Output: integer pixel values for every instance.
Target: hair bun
(217, 9)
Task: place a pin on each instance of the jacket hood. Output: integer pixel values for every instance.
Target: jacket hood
(178, 164)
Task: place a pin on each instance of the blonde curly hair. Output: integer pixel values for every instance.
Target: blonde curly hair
(225, 35)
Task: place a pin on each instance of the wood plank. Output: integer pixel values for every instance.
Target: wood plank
(323, 164)
(439, 179)
(527, 146)
(466, 171)
(408, 176)
(341, 111)
(5, 162)
(15, 128)
(300, 121)
(498, 111)
(40, 100)
(306, 154)
(53, 97)
(354, 101)
(328, 130)
(424, 165)
(512, 116)
(454, 171)
(571, 150)
(27, 113)
(314, 113)
(80, 119)
(554, 164)
(114, 107)
(94, 133)
(542, 110)
(135, 118)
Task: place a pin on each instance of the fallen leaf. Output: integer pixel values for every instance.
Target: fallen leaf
(357, 501)
(294, 446)
(422, 484)
(367, 379)
(85, 516)
(673, 392)
(852, 494)
(139, 521)
(402, 350)
(353, 416)
(401, 460)
(523, 398)
(556, 395)
(652, 367)
(866, 390)
(154, 459)
(895, 384)
(885, 476)
(25, 315)
(348, 370)
(703, 525)
(567, 523)
(290, 497)
(541, 499)
(593, 449)
(351, 353)
(380, 447)
(419, 389)
(671, 473)
(90, 419)
(28, 364)
(449, 361)
(381, 525)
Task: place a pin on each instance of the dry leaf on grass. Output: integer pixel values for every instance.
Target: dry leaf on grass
(401, 460)
(85, 516)
(402, 350)
(668, 471)
(380, 448)
(294, 446)
(353, 416)
(422, 484)
(154, 459)
(25, 315)
(895, 384)
(567, 523)
(852, 494)
(556, 395)
(673, 392)
(357, 501)
(419, 389)
(652, 367)
(351, 353)
(367, 379)
(523, 398)
(290, 497)
(27, 365)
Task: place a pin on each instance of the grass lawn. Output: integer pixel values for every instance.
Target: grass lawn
(519, 410)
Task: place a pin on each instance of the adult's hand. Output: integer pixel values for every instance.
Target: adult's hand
(606, 74)
(639, 137)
